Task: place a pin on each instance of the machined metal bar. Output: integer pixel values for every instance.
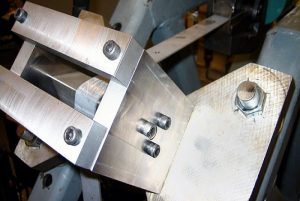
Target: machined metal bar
(77, 40)
(170, 46)
(40, 113)
(23, 57)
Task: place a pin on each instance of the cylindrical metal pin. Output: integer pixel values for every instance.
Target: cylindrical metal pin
(162, 121)
(146, 128)
(151, 148)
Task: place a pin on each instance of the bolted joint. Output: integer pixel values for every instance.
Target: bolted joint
(250, 98)
(72, 136)
(111, 50)
(146, 128)
(162, 121)
(20, 15)
(151, 148)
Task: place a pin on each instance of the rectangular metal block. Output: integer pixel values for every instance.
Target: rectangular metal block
(75, 39)
(41, 114)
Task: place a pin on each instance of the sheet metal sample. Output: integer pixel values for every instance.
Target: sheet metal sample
(170, 46)
(223, 154)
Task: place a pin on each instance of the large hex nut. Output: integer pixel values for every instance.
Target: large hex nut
(250, 98)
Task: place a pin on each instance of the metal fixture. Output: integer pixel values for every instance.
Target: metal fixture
(250, 98)
(162, 121)
(146, 128)
(111, 50)
(121, 104)
(109, 145)
(151, 148)
(72, 136)
(20, 15)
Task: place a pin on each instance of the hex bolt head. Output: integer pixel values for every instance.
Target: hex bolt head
(151, 148)
(72, 136)
(111, 50)
(248, 95)
(162, 121)
(20, 15)
(146, 128)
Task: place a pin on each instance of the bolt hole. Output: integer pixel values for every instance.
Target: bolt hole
(47, 181)
(117, 26)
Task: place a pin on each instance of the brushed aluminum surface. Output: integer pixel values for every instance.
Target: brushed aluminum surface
(122, 156)
(41, 114)
(75, 39)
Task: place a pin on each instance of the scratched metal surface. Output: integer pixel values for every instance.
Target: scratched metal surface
(221, 155)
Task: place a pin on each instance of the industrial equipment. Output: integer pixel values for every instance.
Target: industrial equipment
(96, 97)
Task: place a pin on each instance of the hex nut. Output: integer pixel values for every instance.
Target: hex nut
(250, 98)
